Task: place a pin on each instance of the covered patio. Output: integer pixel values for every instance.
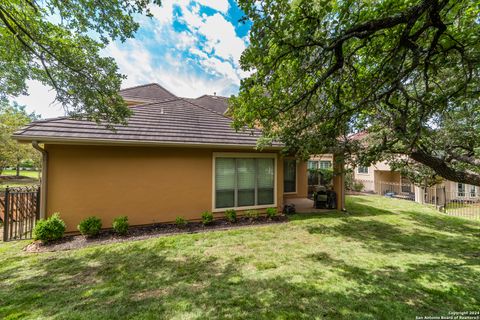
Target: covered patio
(304, 205)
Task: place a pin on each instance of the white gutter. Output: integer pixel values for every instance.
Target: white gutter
(43, 179)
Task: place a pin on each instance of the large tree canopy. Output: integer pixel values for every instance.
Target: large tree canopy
(12, 153)
(58, 42)
(405, 71)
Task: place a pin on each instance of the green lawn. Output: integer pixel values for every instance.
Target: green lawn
(30, 174)
(388, 259)
(33, 175)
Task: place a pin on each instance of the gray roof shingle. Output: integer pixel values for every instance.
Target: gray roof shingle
(165, 122)
(147, 93)
(215, 103)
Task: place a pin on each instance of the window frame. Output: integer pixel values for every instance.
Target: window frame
(473, 192)
(464, 192)
(236, 155)
(296, 176)
(358, 170)
(316, 162)
(324, 161)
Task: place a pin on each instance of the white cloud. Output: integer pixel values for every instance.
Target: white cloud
(138, 64)
(210, 40)
(219, 5)
(221, 36)
(40, 99)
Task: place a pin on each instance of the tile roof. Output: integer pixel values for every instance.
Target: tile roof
(147, 93)
(166, 122)
(358, 136)
(215, 103)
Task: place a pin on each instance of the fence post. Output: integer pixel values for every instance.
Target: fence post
(5, 216)
(444, 200)
(37, 213)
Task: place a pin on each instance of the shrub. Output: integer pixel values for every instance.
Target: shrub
(252, 214)
(120, 225)
(180, 222)
(349, 180)
(358, 186)
(49, 229)
(90, 226)
(207, 217)
(231, 215)
(271, 212)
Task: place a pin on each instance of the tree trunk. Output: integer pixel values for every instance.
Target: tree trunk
(18, 169)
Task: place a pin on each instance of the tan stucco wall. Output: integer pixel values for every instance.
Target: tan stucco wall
(148, 184)
(322, 157)
(302, 181)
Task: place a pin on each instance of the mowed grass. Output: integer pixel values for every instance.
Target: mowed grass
(33, 175)
(23, 173)
(386, 259)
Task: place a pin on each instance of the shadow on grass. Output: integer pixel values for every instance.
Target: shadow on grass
(421, 286)
(412, 232)
(147, 282)
(174, 278)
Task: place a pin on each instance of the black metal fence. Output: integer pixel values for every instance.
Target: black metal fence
(19, 211)
(465, 204)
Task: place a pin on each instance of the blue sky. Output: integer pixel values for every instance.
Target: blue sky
(189, 47)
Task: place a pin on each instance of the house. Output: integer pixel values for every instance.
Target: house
(380, 178)
(176, 157)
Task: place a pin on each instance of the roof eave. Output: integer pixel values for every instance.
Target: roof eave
(87, 141)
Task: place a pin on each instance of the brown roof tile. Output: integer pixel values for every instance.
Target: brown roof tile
(147, 93)
(215, 103)
(166, 122)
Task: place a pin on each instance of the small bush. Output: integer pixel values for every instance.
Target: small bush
(180, 222)
(358, 186)
(252, 214)
(90, 226)
(207, 217)
(231, 215)
(271, 212)
(120, 225)
(49, 229)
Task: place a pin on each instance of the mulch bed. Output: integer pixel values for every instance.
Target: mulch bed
(70, 242)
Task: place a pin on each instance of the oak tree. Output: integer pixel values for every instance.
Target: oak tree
(407, 72)
(58, 43)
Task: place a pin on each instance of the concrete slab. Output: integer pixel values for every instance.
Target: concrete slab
(304, 205)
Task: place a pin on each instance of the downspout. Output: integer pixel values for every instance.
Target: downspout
(43, 187)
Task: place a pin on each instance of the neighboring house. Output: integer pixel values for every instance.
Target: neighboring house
(381, 179)
(176, 157)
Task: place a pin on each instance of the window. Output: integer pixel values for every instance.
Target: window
(325, 164)
(473, 191)
(312, 164)
(312, 173)
(289, 175)
(461, 189)
(362, 169)
(244, 182)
